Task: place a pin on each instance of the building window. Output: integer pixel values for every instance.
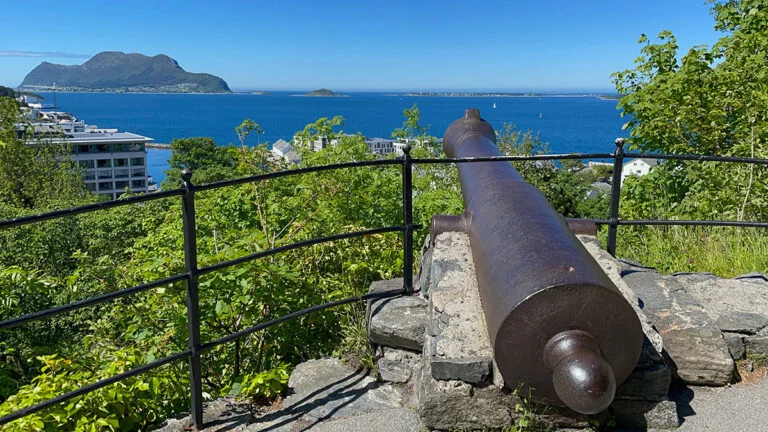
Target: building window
(122, 173)
(138, 184)
(90, 175)
(107, 174)
(104, 163)
(137, 161)
(86, 164)
(90, 187)
(138, 173)
(99, 148)
(120, 185)
(83, 148)
(120, 162)
(105, 186)
(136, 147)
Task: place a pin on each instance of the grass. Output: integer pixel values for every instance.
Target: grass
(526, 415)
(355, 348)
(724, 251)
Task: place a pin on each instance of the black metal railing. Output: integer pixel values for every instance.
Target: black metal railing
(192, 272)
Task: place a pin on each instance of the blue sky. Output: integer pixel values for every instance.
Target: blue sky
(358, 45)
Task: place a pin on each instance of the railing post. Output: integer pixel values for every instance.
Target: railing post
(193, 304)
(407, 221)
(613, 225)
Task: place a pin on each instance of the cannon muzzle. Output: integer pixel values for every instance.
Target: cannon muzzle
(557, 323)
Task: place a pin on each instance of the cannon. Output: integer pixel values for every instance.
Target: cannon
(557, 324)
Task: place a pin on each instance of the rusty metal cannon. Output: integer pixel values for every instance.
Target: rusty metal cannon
(556, 322)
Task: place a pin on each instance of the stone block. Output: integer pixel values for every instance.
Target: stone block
(645, 415)
(696, 350)
(756, 345)
(325, 388)
(736, 305)
(736, 345)
(396, 322)
(450, 405)
(650, 379)
(699, 356)
(457, 345)
(450, 257)
(398, 365)
(468, 369)
(741, 322)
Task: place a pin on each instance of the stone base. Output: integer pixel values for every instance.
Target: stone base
(456, 383)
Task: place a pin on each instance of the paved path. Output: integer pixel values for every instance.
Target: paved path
(739, 408)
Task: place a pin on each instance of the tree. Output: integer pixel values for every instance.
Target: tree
(208, 161)
(245, 128)
(712, 100)
(323, 127)
(412, 127)
(564, 189)
(37, 173)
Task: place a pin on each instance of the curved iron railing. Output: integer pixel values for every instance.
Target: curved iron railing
(192, 272)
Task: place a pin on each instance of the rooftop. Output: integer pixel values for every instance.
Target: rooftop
(91, 137)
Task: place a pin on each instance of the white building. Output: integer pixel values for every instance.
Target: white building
(283, 150)
(380, 146)
(112, 161)
(638, 167)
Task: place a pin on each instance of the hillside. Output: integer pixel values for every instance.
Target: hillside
(117, 71)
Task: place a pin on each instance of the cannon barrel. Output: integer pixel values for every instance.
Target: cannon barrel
(556, 322)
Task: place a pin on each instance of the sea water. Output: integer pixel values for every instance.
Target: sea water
(569, 124)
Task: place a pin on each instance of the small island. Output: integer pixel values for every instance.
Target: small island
(321, 92)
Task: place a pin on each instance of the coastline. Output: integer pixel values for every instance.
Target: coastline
(604, 96)
(510, 95)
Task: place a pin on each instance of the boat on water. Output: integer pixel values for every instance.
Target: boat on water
(494, 105)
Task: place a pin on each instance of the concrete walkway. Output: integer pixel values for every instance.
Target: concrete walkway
(738, 408)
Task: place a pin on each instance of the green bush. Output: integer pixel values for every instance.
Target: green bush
(131, 404)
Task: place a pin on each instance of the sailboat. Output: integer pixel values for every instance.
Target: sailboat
(494, 105)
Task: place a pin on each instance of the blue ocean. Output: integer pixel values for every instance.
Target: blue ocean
(568, 124)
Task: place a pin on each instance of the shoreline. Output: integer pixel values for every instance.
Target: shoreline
(603, 96)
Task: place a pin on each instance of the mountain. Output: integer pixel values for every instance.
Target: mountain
(117, 71)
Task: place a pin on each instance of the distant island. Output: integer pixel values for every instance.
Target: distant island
(113, 71)
(508, 94)
(321, 92)
(261, 93)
